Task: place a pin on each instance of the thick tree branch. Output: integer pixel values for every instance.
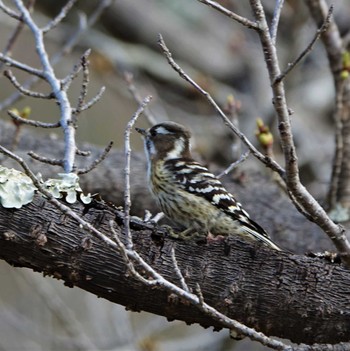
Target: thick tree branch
(293, 299)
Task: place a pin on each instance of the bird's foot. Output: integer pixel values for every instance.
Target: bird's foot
(214, 238)
(187, 234)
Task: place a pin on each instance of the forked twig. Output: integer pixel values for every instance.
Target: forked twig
(308, 49)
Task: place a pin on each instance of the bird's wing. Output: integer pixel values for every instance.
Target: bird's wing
(197, 180)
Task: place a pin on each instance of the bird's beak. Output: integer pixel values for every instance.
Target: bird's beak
(142, 131)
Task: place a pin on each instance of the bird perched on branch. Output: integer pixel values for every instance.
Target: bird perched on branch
(188, 193)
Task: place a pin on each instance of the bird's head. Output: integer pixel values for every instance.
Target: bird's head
(166, 140)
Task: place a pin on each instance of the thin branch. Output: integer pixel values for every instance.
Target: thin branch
(8, 74)
(308, 49)
(32, 123)
(86, 79)
(22, 66)
(91, 103)
(242, 20)
(233, 165)
(68, 80)
(127, 150)
(263, 158)
(84, 153)
(231, 110)
(183, 283)
(127, 259)
(339, 148)
(10, 12)
(97, 161)
(49, 161)
(15, 34)
(129, 79)
(63, 13)
(275, 20)
(199, 294)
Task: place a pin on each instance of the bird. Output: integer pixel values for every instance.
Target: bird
(189, 194)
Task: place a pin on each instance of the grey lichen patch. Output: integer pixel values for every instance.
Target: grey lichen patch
(17, 189)
(67, 184)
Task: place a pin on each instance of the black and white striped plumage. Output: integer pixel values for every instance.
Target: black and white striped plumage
(188, 193)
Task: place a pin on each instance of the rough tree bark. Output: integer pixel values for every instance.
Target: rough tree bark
(302, 299)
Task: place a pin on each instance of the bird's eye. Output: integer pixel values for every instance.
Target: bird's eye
(153, 132)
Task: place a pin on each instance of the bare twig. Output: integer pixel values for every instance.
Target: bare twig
(199, 294)
(339, 149)
(183, 283)
(19, 119)
(63, 13)
(242, 20)
(49, 161)
(8, 74)
(264, 159)
(127, 201)
(275, 20)
(233, 165)
(10, 12)
(68, 80)
(15, 35)
(84, 153)
(84, 86)
(91, 103)
(308, 49)
(128, 77)
(127, 259)
(157, 217)
(97, 161)
(22, 66)
(231, 109)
